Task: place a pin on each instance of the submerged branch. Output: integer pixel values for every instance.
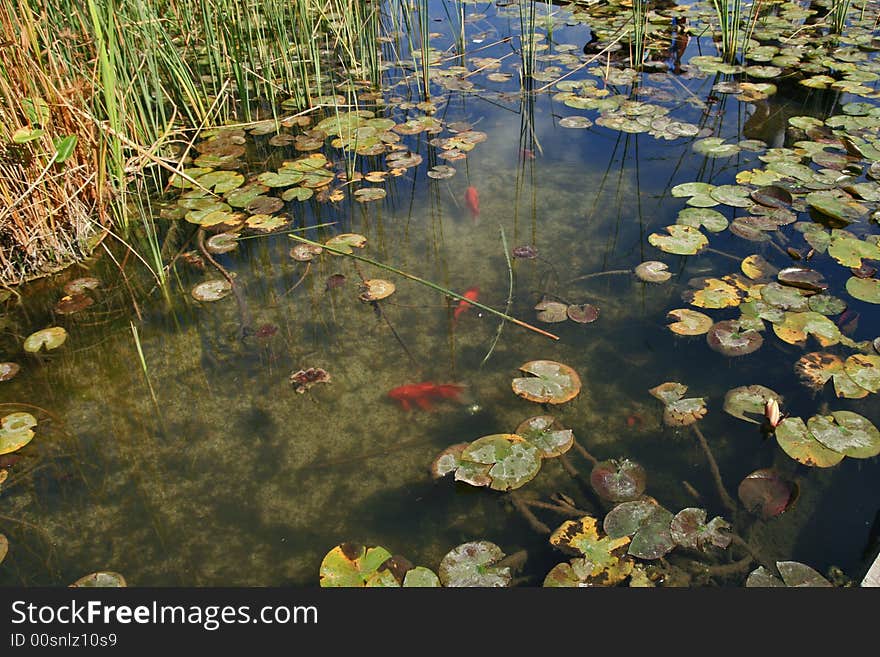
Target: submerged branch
(728, 502)
(523, 507)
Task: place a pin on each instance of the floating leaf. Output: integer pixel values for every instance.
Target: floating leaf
(682, 240)
(692, 189)
(50, 338)
(367, 194)
(767, 493)
(688, 322)
(552, 383)
(448, 460)
(795, 328)
(684, 412)
(715, 293)
(421, 577)
(375, 289)
(796, 440)
(847, 433)
(264, 205)
(837, 205)
(81, 285)
(848, 250)
(575, 122)
(582, 314)
(73, 303)
(689, 529)
(302, 380)
(305, 252)
(4, 545)
(814, 370)
(350, 565)
(618, 481)
(221, 182)
(101, 579)
(514, 461)
(578, 572)
(474, 564)
(346, 242)
(551, 311)
(784, 297)
(730, 339)
(601, 553)
(732, 195)
(16, 431)
(825, 304)
(266, 222)
(864, 289)
(653, 271)
(793, 573)
(212, 290)
(772, 196)
(222, 243)
(803, 278)
(647, 522)
(8, 371)
(669, 392)
(757, 268)
(749, 400)
(544, 432)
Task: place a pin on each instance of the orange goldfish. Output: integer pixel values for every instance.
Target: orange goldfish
(472, 198)
(472, 293)
(421, 394)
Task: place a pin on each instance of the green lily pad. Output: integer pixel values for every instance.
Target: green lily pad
(688, 322)
(864, 289)
(692, 189)
(712, 220)
(350, 565)
(448, 460)
(796, 440)
(795, 328)
(618, 481)
(544, 432)
(849, 250)
(825, 304)
(552, 383)
(16, 431)
(689, 529)
(784, 297)
(714, 147)
(746, 401)
(346, 242)
(297, 194)
(101, 579)
(864, 370)
(50, 338)
(653, 271)
(212, 290)
(647, 522)
(285, 178)
(846, 432)
(681, 240)
(421, 577)
(767, 493)
(474, 564)
(575, 122)
(221, 182)
(513, 461)
(732, 195)
(602, 553)
(730, 339)
(837, 205)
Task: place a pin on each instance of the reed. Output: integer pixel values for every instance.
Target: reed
(838, 13)
(729, 13)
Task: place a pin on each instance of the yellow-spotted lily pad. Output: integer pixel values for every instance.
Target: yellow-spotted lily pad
(814, 370)
(350, 565)
(795, 328)
(715, 293)
(375, 289)
(602, 554)
(552, 383)
(757, 268)
(346, 242)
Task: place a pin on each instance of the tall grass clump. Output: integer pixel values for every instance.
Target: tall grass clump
(729, 13)
(837, 14)
(640, 26)
(50, 154)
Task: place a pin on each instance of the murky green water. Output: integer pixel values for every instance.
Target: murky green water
(229, 477)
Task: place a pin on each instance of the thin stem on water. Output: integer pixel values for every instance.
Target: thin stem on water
(726, 500)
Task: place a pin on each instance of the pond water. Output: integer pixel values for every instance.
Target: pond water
(205, 467)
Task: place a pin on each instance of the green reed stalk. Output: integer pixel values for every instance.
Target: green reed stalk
(728, 13)
(838, 15)
(640, 26)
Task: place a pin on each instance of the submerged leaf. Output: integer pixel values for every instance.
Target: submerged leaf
(767, 493)
(101, 579)
(618, 481)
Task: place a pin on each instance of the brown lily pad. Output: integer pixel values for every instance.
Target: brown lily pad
(729, 339)
(767, 493)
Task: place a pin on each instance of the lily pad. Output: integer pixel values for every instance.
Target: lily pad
(618, 481)
(447, 461)
(582, 314)
(16, 431)
(544, 432)
(579, 572)
(101, 579)
(794, 574)
(4, 547)
(772, 196)
(513, 461)
(714, 293)
(601, 553)
(222, 243)
(688, 322)
(375, 289)
(730, 339)
(212, 290)
(767, 493)
(796, 440)
(368, 194)
(795, 328)
(848, 250)
(864, 370)
(838, 205)
(803, 278)
(747, 401)
(81, 285)
(653, 271)
(757, 268)
(864, 289)
(9, 371)
(346, 242)
(551, 311)
(669, 392)
(421, 577)
(847, 433)
(50, 338)
(689, 529)
(647, 522)
(814, 370)
(474, 564)
(681, 240)
(350, 565)
(825, 304)
(784, 297)
(73, 303)
(710, 219)
(552, 383)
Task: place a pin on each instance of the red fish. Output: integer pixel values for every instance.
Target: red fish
(472, 198)
(421, 394)
(472, 293)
